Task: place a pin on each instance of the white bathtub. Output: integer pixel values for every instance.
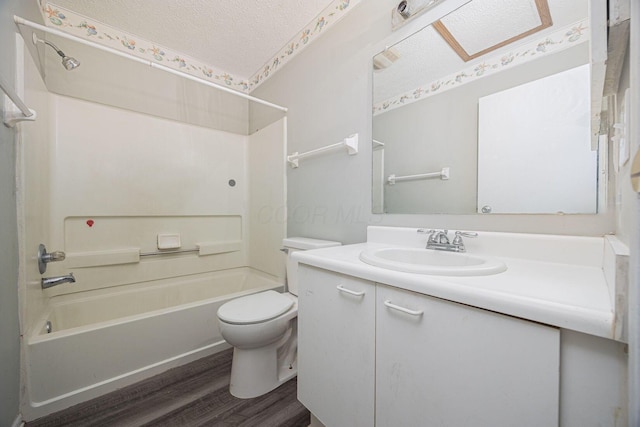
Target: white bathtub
(110, 339)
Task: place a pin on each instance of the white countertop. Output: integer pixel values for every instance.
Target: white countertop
(566, 295)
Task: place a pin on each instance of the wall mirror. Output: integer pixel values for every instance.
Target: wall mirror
(492, 109)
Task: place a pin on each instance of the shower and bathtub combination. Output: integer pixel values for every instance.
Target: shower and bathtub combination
(99, 342)
(167, 200)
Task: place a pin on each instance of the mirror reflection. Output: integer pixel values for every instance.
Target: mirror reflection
(488, 110)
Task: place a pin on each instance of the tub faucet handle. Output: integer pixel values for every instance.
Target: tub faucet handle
(56, 256)
(45, 257)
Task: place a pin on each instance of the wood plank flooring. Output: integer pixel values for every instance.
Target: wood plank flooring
(196, 394)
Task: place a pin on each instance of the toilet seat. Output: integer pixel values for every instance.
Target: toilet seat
(255, 308)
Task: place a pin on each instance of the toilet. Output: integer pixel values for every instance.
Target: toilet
(262, 328)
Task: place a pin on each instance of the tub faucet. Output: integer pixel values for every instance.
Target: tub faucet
(48, 282)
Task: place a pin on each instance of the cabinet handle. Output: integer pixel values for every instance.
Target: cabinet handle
(349, 291)
(389, 304)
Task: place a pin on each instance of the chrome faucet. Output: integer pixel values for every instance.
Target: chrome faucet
(48, 282)
(439, 240)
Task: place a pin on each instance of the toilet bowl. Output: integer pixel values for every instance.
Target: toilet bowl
(262, 328)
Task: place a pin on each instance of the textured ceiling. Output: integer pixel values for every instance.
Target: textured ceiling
(238, 36)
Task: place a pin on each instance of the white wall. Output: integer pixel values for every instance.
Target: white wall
(327, 89)
(9, 329)
(267, 199)
(9, 325)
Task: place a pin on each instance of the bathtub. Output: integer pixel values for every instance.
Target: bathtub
(108, 339)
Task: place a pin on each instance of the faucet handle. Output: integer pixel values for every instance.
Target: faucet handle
(55, 256)
(432, 234)
(443, 237)
(467, 233)
(45, 257)
(425, 231)
(460, 234)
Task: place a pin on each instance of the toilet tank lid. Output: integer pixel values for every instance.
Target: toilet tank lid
(306, 243)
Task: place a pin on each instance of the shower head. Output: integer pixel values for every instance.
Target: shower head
(68, 62)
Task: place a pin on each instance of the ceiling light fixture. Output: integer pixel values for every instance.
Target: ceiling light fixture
(406, 10)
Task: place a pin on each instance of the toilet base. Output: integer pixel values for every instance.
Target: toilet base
(257, 371)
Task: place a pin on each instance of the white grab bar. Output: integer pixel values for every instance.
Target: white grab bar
(443, 174)
(11, 118)
(350, 142)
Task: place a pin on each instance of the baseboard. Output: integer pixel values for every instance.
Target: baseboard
(315, 422)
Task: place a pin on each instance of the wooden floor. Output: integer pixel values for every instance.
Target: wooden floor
(196, 394)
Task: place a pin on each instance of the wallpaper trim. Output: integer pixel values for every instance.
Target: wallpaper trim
(559, 40)
(91, 29)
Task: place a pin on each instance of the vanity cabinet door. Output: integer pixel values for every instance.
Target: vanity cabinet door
(336, 347)
(441, 363)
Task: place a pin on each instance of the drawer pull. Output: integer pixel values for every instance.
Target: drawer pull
(349, 291)
(389, 304)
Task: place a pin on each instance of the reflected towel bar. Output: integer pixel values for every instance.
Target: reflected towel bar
(350, 142)
(11, 118)
(443, 174)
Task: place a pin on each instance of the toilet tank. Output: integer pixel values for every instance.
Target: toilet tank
(293, 244)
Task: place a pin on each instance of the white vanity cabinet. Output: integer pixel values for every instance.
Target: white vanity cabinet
(440, 363)
(336, 347)
(530, 346)
(371, 354)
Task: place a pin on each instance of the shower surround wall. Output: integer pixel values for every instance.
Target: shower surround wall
(101, 183)
(120, 178)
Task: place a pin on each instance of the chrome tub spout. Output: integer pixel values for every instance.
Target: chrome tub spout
(48, 282)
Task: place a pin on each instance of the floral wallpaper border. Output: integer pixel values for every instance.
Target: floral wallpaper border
(561, 39)
(86, 28)
(329, 16)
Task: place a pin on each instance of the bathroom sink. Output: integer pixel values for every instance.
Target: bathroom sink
(429, 261)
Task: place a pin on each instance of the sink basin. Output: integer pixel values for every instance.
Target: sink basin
(429, 261)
